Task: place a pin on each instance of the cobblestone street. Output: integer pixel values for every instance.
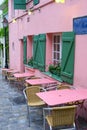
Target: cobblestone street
(13, 109)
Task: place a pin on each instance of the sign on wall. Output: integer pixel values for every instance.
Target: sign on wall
(80, 25)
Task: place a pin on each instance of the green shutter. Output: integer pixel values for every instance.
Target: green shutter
(35, 51)
(39, 51)
(67, 65)
(42, 52)
(25, 50)
(35, 2)
(20, 4)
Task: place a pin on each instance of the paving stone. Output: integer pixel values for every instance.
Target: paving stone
(13, 108)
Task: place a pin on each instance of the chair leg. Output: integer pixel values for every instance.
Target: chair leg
(28, 116)
(50, 128)
(44, 123)
(44, 120)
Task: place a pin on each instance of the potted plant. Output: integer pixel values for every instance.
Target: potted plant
(58, 69)
(52, 69)
(55, 69)
(30, 61)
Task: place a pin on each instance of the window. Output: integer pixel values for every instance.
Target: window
(57, 46)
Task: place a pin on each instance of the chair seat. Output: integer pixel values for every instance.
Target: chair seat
(39, 103)
(54, 124)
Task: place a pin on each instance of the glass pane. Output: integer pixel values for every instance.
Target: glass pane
(54, 55)
(54, 47)
(54, 39)
(58, 56)
(58, 47)
(54, 62)
(58, 39)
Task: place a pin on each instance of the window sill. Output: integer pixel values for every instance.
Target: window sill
(53, 76)
(29, 68)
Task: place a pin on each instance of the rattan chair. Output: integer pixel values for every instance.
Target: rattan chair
(63, 87)
(61, 117)
(11, 78)
(32, 99)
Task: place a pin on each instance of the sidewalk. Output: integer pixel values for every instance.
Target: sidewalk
(13, 109)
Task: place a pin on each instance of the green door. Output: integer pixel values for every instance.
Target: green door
(39, 50)
(25, 50)
(20, 4)
(67, 65)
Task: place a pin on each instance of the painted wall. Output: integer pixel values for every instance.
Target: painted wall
(49, 19)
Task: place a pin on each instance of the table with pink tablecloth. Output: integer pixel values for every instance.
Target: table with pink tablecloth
(57, 97)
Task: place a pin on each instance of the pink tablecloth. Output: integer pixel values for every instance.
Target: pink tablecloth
(22, 75)
(40, 81)
(57, 97)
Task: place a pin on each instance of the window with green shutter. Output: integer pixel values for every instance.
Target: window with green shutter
(39, 50)
(20, 4)
(35, 2)
(25, 50)
(67, 65)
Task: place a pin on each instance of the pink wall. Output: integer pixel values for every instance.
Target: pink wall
(29, 47)
(48, 50)
(80, 74)
(50, 19)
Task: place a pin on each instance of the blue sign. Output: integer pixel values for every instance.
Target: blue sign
(80, 25)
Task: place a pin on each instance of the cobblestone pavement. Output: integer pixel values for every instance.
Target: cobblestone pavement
(13, 109)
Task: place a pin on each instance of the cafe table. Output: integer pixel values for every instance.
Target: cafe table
(23, 75)
(5, 72)
(11, 72)
(20, 77)
(58, 97)
(44, 82)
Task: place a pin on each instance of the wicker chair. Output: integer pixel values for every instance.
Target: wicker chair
(60, 116)
(32, 99)
(63, 87)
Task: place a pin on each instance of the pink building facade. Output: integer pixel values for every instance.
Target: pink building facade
(53, 24)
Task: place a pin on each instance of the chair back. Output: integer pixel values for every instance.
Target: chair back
(31, 93)
(63, 115)
(63, 87)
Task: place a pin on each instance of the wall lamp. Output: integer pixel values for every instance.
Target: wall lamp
(60, 1)
(14, 21)
(30, 12)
